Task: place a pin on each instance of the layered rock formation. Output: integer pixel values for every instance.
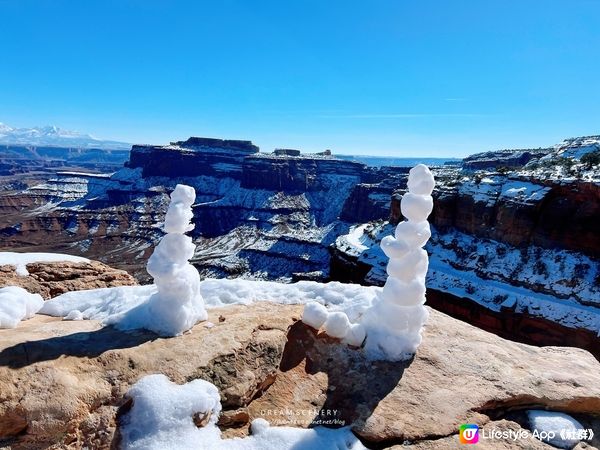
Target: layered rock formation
(50, 279)
(515, 253)
(264, 215)
(63, 384)
(523, 211)
(507, 159)
(24, 159)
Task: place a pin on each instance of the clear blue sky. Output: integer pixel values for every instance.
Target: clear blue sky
(398, 77)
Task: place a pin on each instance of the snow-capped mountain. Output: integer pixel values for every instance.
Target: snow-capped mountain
(54, 136)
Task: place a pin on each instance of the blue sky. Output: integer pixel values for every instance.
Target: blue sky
(404, 78)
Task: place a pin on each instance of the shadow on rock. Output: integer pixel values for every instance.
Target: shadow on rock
(355, 384)
(88, 344)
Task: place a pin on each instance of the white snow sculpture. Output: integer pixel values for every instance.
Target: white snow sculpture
(177, 305)
(392, 325)
(394, 321)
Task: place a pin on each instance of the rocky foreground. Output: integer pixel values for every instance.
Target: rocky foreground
(63, 383)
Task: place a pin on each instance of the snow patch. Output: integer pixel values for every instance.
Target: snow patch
(162, 418)
(20, 260)
(17, 304)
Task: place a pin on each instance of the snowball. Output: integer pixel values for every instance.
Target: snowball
(413, 265)
(259, 426)
(416, 208)
(409, 294)
(179, 215)
(394, 248)
(420, 180)
(337, 324)
(356, 335)
(74, 315)
(412, 234)
(17, 304)
(183, 194)
(550, 422)
(314, 315)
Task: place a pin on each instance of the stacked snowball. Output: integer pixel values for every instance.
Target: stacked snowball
(395, 320)
(178, 305)
(392, 325)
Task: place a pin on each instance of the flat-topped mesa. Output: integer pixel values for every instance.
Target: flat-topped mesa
(302, 172)
(195, 157)
(286, 152)
(514, 158)
(202, 143)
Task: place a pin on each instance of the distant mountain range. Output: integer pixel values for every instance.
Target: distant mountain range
(54, 136)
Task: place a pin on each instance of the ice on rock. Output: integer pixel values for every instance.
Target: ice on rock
(314, 315)
(551, 423)
(17, 304)
(177, 305)
(393, 323)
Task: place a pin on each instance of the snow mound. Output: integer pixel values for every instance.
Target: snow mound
(554, 425)
(20, 260)
(17, 304)
(106, 303)
(162, 418)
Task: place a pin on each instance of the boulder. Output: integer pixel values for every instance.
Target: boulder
(50, 279)
(62, 383)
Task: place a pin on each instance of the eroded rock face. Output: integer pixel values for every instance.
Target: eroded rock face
(50, 279)
(62, 383)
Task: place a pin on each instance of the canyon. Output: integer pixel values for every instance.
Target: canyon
(515, 243)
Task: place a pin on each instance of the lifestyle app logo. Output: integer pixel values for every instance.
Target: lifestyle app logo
(468, 433)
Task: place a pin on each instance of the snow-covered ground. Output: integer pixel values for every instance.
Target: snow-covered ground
(107, 303)
(20, 260)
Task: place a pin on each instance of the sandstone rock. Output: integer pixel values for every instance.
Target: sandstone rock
(52, 279)
(460, 374)
(62, 383)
